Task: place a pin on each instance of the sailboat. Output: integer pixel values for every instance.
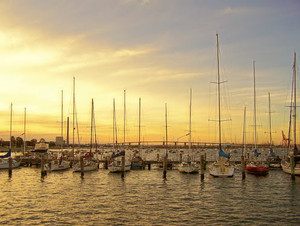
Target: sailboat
(222, 167)
(256, 167)
(188, 166)
(294, 155)
(116, 165)
(4, 161)
(88, 163)
(59, 164)
(273, 160)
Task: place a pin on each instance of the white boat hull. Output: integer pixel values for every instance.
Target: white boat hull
(5, 165)
(59, 167)
(286, 167)
(221, 169)
(188, 168)
(117, 169)
(88, 166)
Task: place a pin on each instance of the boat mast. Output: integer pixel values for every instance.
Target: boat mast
(92, 121)
(255, 136)
(124, 116)
(295, 101)
(270, 122)
(166, 118)
(62, 118)
(244, 133)
(140, 104)
(24, 131)
(10, 127)
(190, 122)
(73, 113)
(219, 100)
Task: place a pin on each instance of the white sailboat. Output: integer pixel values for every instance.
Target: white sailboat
(116, 165)
(59, 164)
(88, 163)
(189, 166)
(294, 154)
(222, 167)
(4, 161)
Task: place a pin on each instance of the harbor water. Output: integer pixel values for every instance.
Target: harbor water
(144, 198)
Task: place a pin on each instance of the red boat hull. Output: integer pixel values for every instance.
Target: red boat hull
(257, 170)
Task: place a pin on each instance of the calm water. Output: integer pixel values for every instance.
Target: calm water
(143, 197)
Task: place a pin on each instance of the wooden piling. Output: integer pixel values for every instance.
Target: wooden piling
(123, 167)
(81, 166)
(204, 162)
(243, 167)
(157, 157)
(106, 164)
(9, 166)
(165, 159)
(293, 167)
(149, 166)
(180, 158)
(43, 171)
(202, 167)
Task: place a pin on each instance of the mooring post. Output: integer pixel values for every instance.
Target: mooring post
(204, 162)
(165, 167)
(293, 167)
(106, 163)
(149, 166)
(123, 167)
(43, 171)
(180, 158)
(202, 167)
(10, 167)
(157, 157)
(81, 166)
(243, 167)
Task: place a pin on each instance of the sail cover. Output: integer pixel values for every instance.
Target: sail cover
(8, 154)
(256, 153)
(272, 152)
(121, 153)
(223, 154)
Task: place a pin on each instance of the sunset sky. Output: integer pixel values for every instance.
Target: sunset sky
(156, 50)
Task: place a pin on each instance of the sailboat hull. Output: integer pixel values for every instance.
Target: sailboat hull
(221, 169)
(88, 166)
(4, 164)
(188, 168)
(286, 167)
(257, 169)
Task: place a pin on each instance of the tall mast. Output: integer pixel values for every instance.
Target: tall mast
(73, 113)
(270, 122)
(92, 121)
(24, 131)
(124, 116)
(190, 122)
(244, 132)
(166, 118)
(295, 100)
(10, 127)
(114, 122)
(218, 82)
(62, 118)
(140, 104)
(254, 107)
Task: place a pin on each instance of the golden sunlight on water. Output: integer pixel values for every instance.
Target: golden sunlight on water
(143, 197)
